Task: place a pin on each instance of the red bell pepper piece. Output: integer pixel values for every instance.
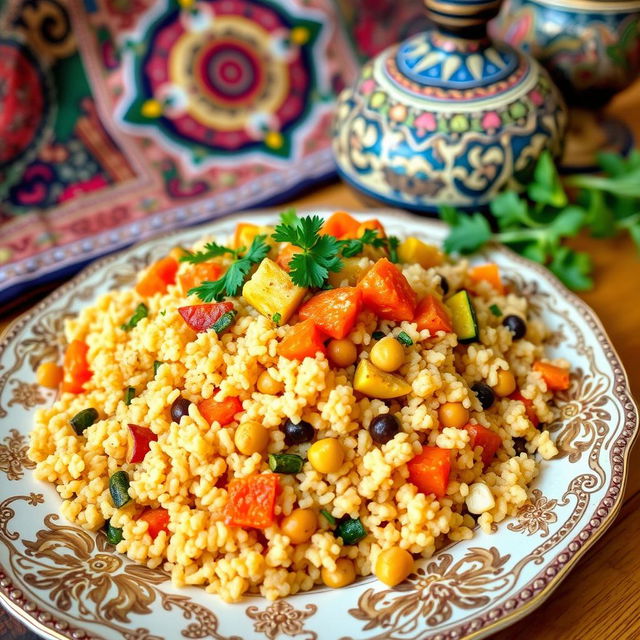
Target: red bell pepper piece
(220, 411)
(157, 519)
(252, 501)
(140, 437)
(557, 378)
(430, 470)
(334, 311)
(485, 438)
(201, 317)
(431, 314)
(387, 293)
(528, 405)
(76, 367)
(302, 341)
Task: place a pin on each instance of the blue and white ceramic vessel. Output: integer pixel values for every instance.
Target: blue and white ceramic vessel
(448, 117)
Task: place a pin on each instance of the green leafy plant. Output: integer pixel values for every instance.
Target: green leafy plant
(537, 223)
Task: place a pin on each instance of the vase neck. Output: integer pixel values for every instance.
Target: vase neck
(464, 19)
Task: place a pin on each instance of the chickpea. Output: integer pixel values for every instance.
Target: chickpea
(300, 525)
(251, 437)
(344, 574)
(49, 375)
(506, 384)
(393, 565)
(453, 414)
(267, 384)
(387, 354)
(342, 352)
(326, 455)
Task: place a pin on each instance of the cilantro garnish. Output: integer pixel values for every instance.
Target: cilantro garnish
(141, 311)
(233, 279)
(211, 250)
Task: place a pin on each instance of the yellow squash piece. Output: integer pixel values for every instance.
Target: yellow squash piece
(351, 273)
(270, 290)
(413, 250)
(375, 383)
(246, 232)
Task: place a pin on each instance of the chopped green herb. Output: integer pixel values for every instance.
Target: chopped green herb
(276, 317)
(140, 312)
(233, 279)
(392, 246)
(224, 322)
(328, 517)
(285, 463)
(354, 246)
(495, 309)
(129, 395)
(378, 335)
(211, 250)
(156, 366)
(163, 312)
(404, 338)
(83, 420)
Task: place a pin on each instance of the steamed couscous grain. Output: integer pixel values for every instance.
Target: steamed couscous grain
(193, 411)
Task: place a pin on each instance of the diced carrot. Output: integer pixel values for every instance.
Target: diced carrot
(201, 317)
(387, 292)
(482, 437)
(557, 378)
(76, 367)
(334, 311)
(252, 501)
(490, 273)
(528, 406)
(157, 277)
(430, 469)
(139, 442)
(286, 253)
(157, 519)
(374, 224)
(302, 341)
(220, 411)
(341, 225)
(199, 273)
(431, 314)
(244, 234)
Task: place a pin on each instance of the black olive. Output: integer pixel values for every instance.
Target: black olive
(179, 408)
(516, 325)
(519, 445)
(384, 428)
(444, 285)
(484, 393)
(297, 432)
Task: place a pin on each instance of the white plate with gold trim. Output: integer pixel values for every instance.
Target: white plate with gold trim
(65, 582)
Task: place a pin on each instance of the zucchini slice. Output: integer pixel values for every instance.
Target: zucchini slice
(463, 316)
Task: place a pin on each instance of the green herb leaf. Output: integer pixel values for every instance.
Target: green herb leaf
(634, 230)
(156, 366)
(546, 188)
(328, 517)
(392, 246)
(495, 310)
(129, 395)
(276, 317)
(509, 210)
(568, 222)
(289, 217)
(211, 250)
(140, 312)
(354, 246)
(468, 234)
(572, 268)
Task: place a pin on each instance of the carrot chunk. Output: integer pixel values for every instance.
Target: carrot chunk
(252, 501)
(528, 406)
(557, 378)
(220, 411)
(374, 224)
(482, 437)
(158, 277)
(76, 367)
(334, 311)
(387, 292)
(286, 254)
(199, 273)
(302, 341)
(430, 469)
(341, 225)
(157, 519)
(490, 273)
(431, 314)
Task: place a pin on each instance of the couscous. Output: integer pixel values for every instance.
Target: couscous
(296, 406)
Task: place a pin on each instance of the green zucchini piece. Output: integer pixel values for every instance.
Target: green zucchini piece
(404, 338)
(224, 322)
(463, 317)
(350, 530)
(119, 488)
(114, 534)
(285, 463)
(378, 335)
(84, 419)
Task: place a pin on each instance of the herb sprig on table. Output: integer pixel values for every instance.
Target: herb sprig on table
(537, 223)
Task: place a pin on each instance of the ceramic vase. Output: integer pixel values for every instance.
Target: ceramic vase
(448, 117)
(592, 50)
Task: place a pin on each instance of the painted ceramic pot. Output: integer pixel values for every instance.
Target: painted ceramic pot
(590, 47)
(448, 117)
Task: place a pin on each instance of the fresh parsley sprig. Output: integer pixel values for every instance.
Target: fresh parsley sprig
(211, 250)
(233, 279)
(311, 266)
(536, 225)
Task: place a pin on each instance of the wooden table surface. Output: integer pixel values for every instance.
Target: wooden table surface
(600, 599)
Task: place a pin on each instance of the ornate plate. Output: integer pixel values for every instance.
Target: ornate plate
(66, 583)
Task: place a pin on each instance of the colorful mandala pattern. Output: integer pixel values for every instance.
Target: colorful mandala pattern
(224, 77)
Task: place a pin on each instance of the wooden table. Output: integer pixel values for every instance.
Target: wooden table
(600, 600)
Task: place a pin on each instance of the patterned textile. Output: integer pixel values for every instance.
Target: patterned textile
(122, 118)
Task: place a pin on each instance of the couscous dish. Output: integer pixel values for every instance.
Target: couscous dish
(298, 405)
